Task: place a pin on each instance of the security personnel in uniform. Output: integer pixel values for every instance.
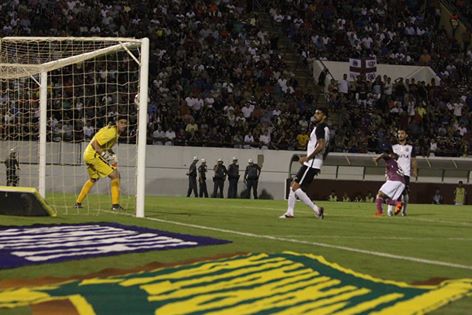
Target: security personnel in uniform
(11, 165)
(202, 169)
(233, 178)
(219, 179)
(251, 178)
(192, 178)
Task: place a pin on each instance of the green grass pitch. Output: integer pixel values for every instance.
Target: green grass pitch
(434, 241)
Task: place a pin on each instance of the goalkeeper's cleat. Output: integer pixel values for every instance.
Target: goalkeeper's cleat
(78, 205)
(320, 214)
(117, 207)
(286, 216)
(398, 207)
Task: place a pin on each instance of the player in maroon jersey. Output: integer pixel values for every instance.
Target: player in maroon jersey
(393, 187)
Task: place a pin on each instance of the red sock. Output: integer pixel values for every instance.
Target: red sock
(378, 204)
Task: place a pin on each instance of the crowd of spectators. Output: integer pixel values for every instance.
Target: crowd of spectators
(436, 114)
(217, 77)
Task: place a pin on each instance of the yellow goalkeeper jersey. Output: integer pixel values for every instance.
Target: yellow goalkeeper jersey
(459, 195)
(106, 139)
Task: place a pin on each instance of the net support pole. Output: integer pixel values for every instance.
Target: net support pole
(142, 129)
(43, 94)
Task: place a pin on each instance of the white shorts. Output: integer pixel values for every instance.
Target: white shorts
(393, 189)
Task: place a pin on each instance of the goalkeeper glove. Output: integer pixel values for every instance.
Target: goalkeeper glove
(106, 155)
(111, 159)
(114, 160)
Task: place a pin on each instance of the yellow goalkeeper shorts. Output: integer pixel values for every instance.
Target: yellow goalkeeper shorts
(97, 166)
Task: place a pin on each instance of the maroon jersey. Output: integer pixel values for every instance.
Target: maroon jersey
(393, 172)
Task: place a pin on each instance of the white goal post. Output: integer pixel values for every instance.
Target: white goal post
(54, 93)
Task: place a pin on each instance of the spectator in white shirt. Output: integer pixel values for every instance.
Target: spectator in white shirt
(264, 139)
(248, 141)
(247, 110)
(170, 137)
(343, 86)
(433, 147)
(158, 136)
(89, 131)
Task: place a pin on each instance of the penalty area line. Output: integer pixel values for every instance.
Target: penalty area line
(291, 240)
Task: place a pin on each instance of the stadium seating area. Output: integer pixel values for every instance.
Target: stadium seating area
(435, 114)
(218, 78)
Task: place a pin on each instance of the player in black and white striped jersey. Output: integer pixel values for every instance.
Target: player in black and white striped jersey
(317, 150)
(407, 162)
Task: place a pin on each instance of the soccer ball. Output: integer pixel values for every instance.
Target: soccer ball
(136, 100)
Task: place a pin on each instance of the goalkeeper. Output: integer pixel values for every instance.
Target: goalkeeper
(101, 161)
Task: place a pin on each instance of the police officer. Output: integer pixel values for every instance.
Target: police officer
(202, 169)
(233, 178)
(192, 178)
(219, 179)
(251, 178)
(11, 164)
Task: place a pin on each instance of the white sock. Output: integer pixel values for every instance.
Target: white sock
(292, 200)
(306, 200)
(390, 210)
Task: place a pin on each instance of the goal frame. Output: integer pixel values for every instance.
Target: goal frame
(23, 70)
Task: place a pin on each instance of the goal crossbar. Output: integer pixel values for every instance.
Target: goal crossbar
(77, 39)
(18, 70)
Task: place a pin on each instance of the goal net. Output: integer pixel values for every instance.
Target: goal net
(55, 94)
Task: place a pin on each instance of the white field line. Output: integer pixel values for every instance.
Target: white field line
(393, 238)
(304, 210)
(291, 240)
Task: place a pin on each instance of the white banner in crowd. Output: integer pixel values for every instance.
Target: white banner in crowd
(365, 67)
(337, 69)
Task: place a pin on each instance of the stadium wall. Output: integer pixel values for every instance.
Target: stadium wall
(419, 192)
(166, 168)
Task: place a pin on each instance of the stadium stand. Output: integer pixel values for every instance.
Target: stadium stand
(409, 32)
(218, 76)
